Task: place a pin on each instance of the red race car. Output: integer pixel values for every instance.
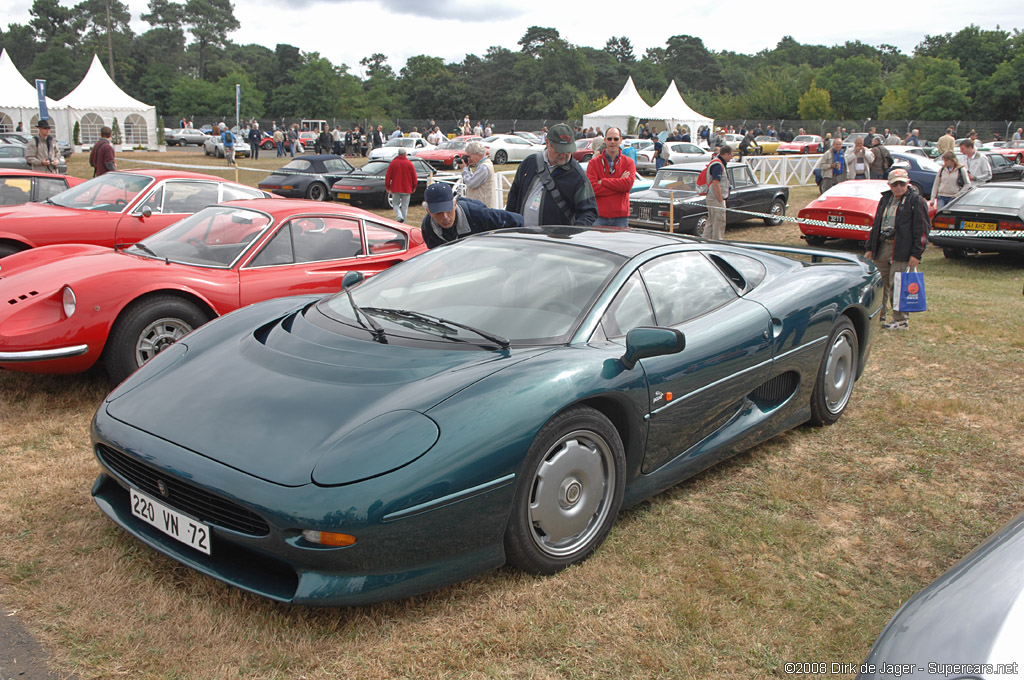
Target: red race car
(444, 155)
(29, 186)
(116, 209)
(1012, 150)
(846, 211)
(71, 305)
(802, 144)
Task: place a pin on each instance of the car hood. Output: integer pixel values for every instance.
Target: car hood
(37, 211)
(290, 402)
(664, 195)
(54, 266)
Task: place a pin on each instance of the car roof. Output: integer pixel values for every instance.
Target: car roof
(625, 242)
(160, 174)
(317, 157)
(281, 207)
(700, 165)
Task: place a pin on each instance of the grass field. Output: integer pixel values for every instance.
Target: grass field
(796, 551)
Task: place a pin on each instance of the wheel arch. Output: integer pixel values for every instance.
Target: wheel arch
(14, 242)
(631, 434)
(188, 296)
(858, 316)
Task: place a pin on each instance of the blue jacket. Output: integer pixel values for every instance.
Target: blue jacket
(472, 217)
(572, 183)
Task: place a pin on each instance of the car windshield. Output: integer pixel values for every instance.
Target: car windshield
(928, 164)
(452, 144)
(213, 237)
(111, 192)
(872, 190)
(676, 180)
(993, 197)
(297, 164)
(803, 138)
(400, 141)
(531, 292)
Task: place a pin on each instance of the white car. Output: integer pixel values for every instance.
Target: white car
(214, 146)
(509, 148)
(390, 149)
(685, 152)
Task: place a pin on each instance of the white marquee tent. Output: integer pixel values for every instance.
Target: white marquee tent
(97, 101)
(19, 102)
(628, 104)
(672, 110)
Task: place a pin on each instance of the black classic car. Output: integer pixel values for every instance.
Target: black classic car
(986, 218)
(307, 177)
(676, 186)
(366, 185)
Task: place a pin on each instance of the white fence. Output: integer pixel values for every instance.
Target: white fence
(788, 170)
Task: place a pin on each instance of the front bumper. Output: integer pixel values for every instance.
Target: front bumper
(32, 355)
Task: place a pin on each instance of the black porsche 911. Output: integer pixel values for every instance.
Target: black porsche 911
(366, 185)
(987, 218)
(676, 185)
(307, 177)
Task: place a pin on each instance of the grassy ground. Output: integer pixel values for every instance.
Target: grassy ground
(796, 551)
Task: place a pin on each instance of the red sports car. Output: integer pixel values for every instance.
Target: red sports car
(802, 144)
(444, 155)
(585, 149)
(116, 209)
(846, 211)
(29, 186)
(1012, 150)
(71, 305)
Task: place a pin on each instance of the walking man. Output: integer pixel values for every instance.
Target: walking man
(401, 180)
(101, 158)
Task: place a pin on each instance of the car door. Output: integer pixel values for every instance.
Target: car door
(728, 352)
(744, 194)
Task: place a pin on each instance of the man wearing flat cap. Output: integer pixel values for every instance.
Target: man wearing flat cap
(449, 219)
(42, 151)
(551, 187)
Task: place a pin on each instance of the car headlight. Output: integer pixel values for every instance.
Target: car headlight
(69, 301)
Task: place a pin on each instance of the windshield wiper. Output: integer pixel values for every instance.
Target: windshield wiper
(441, 324)
(376, 330)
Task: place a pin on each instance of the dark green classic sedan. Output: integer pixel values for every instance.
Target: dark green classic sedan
(498, 399)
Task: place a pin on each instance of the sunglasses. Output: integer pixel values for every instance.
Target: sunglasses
(612, 139)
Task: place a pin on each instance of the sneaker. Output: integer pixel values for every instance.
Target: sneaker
(901, 325)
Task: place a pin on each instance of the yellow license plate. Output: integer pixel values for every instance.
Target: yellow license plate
(979, 226)
(343, 196)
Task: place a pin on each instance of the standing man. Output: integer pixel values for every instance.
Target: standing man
(858, 160)
(401, 181)
(478, 174)
(279, 141)
(254, 140)
(892, 138)
(611, 174)
(914, 139)
(946, 142)
(978, 169)
(101, 158)
(659, 153)
(898, 238)
(550, 186)
(882, 160)
(449, 220)
(42, 151)
(718, 192)
(832, 165)
(378, 137)
(1016, 135)
(293, 138)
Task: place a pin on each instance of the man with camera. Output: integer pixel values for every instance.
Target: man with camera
(43, 151)
(478, 174)
(898, 238)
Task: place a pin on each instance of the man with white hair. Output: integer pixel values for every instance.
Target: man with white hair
(401, 181)
(478, 174)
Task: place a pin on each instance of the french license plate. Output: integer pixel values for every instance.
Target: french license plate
(343, 196)
(171, 522)
(836, 219)
(979, 226)
(646, 212)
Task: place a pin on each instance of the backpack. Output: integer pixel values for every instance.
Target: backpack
(227, 138)
(703, 180)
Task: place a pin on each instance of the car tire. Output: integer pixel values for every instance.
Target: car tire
(316, 191)
(217, 152)
(920, 189)
(816, 241)
(500, 158)
(701, 226)
(388, 201)
(206, 152)
(587, 157)
(9, 249)
(778, 210)
(1020, 159)
(954, 253)
(569, 493)
(145, 328)
(836, 375)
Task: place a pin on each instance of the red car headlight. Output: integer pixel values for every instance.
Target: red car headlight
(69, 301)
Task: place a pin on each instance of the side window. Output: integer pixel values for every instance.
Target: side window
(154, 201)
(381, 239)
(318, 239)
(15, 190)
(629, 309)
(740, 177)
(188, 197)
(230, 192)
(683, 286)
(277, 250)
(49, 187)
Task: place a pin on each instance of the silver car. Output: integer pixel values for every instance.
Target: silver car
(13, 156)
(186, 136)
(214, 146)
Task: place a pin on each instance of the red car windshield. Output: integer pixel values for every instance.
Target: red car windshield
(111, 192)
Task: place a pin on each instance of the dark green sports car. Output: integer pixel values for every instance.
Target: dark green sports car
(500, 398)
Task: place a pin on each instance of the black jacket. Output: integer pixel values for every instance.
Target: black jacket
(911, 225)
(572, 183)
(472, 217)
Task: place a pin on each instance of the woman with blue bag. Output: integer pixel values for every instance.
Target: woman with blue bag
(897, 241)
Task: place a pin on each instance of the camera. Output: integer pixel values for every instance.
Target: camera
(888, 233)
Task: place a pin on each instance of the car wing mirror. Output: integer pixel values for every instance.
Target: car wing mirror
(146, 211)
(651, 341)
(350, 279)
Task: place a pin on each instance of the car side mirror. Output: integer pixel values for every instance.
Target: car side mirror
(350, 279)
(651, 341)
(146, 211)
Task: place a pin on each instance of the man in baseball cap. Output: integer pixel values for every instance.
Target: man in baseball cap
(898, 238)
(550, 187)
(449, 219)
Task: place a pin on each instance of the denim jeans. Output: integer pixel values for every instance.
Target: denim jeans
(612, 222)
(401, 205)
(941, 201)
(280, 148)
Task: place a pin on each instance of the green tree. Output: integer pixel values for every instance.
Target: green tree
(895, 105)
(1001, 95)
(536, 38)
(209, 22)
(936, 88)
(815, 103)
(855, 86)
(584, 105)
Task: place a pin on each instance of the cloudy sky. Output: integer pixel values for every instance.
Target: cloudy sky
(345, 31)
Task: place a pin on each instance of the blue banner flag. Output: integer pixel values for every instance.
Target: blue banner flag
(238, 103)
(41, 91)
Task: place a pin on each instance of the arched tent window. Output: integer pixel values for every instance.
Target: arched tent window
(90, 128)
(135, 131)
(32, 124)
(6, 124)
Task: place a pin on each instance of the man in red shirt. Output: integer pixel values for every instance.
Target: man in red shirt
(101, 158)
(401, 181)
(611, 173)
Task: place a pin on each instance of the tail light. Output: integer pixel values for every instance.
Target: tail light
(1006, 225)
(943, 221)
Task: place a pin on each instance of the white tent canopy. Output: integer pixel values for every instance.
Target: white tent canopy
(19, 102)
(672, 110)
(628, 104)
(97, 101)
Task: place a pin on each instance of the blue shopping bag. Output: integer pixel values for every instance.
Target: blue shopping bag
(908, 289)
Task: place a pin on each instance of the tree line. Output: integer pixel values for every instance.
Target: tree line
(186, 65)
